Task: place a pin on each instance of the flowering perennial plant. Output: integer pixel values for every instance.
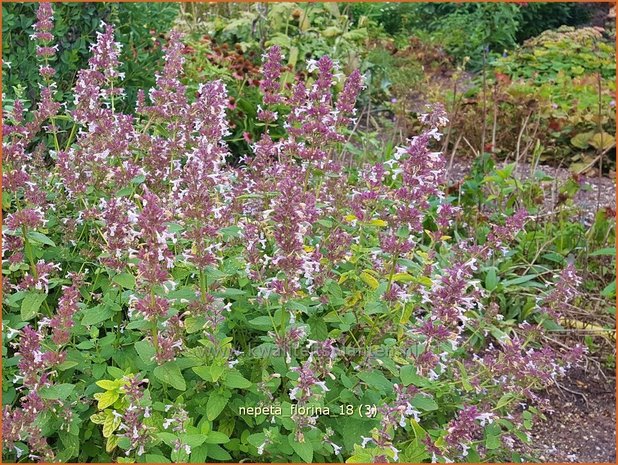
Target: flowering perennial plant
(154, 294)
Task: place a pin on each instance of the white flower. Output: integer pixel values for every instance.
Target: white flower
(167, 423)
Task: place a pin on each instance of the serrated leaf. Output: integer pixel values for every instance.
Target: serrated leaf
(492, 442)
(169, 373)
(261, 322)
(408, 376)
(66, 365)
(145, 350)
(303, 449)
(115, 372)
(98, 418)
(210, 373)
(96, 315)
(376, 379)
(193, 440)
(215, 405)
(108, 385)
(31, 304)
(218, 453)
(111, 424)
(216, 437)
(581, 140)
(56, 392)
(198, 455)
(105, 399)
(234, 380)
(424, 403)
(126, 280)
(111, 443)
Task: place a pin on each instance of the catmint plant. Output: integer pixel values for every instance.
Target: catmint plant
(164, 304)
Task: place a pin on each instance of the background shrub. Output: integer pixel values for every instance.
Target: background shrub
(142, 26)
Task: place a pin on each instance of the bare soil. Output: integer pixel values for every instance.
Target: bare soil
(582, 427)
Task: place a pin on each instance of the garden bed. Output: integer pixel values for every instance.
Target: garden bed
(230, 261)
(582, 427)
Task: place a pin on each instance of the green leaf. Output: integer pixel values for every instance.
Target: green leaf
(520, 280)
(67, 365)
(70, 446)
(126, 280)
(279, 39)
(261, 322)
(31, 304)
(303, 449)
(408, 376)
(210, 373)
(218, 453)
(582, 140)
(169, 373)
(403, 278)
(491, 280)
(369, 280)
(154, 458)
(293, 58)
(56, 392)
(204, 373)
(233, 379)
(492, 441)
(376, 379)
(96, 315)
(40, 238)
(107, 398)
(424, 403)
(360, 455)
(167, 438)
(198, 455)
(115, 372)
(505, 400)
(216, 372)
(602, 140)
(610, 290)
(111, 424)
(216, 437)
(464, 377)
(124, 443)
(108, 384)
(356, 34)
(146, 351)
(611, 251)
(194, 440)
(215, 405)
(229, 293)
